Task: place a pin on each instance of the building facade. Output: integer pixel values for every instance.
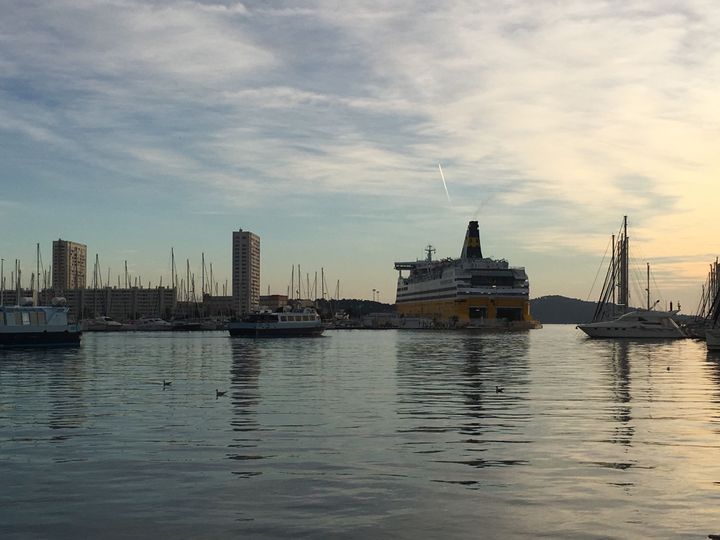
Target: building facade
(274, 301)
(69, 266)
(245, 271)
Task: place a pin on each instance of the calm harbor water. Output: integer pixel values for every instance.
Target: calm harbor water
(361, 434)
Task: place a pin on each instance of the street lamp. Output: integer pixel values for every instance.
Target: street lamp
(373, 295)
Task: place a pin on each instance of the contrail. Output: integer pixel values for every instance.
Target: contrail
(444, 184)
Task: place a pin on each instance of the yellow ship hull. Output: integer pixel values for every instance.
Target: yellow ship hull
(468, 310)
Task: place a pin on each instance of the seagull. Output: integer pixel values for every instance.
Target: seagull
(668, 368)
(498, 389)
(218, 393)
(166, 383)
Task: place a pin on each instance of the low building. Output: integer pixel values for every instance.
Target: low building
(273, 301)
(218, 306)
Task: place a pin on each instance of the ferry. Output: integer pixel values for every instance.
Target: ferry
(281, 323)
(45, 326)
(470, 292)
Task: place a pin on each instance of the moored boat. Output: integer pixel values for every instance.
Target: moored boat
(152, 324)
(614, 318)
(282, 323)
(640, 324)
(102, 323)
(32, 326)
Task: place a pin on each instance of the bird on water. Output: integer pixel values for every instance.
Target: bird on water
(499, 389)
(218, 393)
(166, 383)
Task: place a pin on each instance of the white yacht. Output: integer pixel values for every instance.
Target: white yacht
(103, 323)
(614, 318)
(637, 325)
(152, 324)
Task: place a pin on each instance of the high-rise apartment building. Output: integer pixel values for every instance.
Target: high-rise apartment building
(69, 268)
(245, 271)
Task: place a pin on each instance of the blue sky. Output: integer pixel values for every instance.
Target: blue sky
(134, 127)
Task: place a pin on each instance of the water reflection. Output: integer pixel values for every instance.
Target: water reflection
(245, 395)
(447, 398)
(53, 375)
(620, 389)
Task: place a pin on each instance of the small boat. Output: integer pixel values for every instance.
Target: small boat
(186, 325)
(281, 323)
(102, 323)
(712, 339)
(152, 324)
(32, 326)
(639, 324)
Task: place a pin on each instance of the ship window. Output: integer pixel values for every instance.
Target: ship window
(2, 319)
(34, 318)
(492, 281)
(25, 318)
(511, 314)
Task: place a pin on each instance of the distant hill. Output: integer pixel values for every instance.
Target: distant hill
(553, 309)
(556, 309)
(353, 307)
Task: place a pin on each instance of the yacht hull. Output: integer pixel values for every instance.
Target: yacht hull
(712, 339)
(631, 333)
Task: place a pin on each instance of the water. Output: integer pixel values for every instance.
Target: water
(383, 434)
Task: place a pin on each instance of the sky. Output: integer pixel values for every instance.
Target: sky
(135, 127)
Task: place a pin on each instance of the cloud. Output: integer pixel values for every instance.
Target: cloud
(543, 114)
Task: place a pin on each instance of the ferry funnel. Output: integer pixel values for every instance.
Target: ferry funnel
(471, 248)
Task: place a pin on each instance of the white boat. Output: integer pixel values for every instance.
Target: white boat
(614, 318)
(44, 326)
(102, 323)
(283, 323)
(712, 339)
(640, 324)
(152, 324)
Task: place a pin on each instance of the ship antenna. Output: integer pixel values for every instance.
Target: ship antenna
(429, 250)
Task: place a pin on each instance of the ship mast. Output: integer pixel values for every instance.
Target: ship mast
(429, 250)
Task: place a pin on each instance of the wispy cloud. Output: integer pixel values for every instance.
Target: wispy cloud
(550, 118)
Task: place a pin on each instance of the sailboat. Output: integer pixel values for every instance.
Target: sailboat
(712, 334)
(616, 319)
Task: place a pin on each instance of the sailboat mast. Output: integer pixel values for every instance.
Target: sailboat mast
(648, 286)
(36, 288)
(292, 281)
(172, 267)
(624, 299)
